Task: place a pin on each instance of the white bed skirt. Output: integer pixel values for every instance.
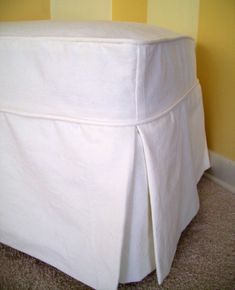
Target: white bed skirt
(103, 204)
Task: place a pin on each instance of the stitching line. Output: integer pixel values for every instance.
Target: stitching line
(118, 123)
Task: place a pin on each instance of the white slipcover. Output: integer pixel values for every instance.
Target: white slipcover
(102, 144)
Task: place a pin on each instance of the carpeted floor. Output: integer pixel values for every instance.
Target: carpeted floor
(205, 258)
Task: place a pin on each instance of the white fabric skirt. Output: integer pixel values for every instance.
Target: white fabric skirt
(103, 204)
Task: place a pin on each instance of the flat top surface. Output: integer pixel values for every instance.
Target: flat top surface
(103, 31)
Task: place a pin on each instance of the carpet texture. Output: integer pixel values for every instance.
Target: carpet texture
(205, 258)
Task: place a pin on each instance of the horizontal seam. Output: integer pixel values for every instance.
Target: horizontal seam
(96, 40)
(119, 123)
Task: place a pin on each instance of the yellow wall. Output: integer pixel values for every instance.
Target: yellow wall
(216, 70)
(24, 10)
(129, 10)
(81, 9)
(178, 15)
(118, 10)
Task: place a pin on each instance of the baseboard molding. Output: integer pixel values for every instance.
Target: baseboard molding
(222, 171)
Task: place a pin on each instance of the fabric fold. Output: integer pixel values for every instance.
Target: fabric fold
(173, 173)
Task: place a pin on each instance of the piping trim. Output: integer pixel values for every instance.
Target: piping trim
(95, 122)
(96, 40)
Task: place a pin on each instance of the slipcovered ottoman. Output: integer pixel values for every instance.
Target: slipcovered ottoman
(102, 145)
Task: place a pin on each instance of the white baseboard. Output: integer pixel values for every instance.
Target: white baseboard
(222, 171)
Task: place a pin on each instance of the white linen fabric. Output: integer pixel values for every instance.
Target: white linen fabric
(102, 144)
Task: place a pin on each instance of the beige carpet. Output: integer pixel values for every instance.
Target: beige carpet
(205, 258)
